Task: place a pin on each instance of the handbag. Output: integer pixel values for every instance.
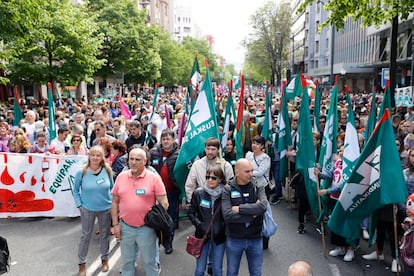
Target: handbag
(269, 225)
(194, 244)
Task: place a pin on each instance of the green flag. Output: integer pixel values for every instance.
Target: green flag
(328, 148)
(17, 112)
(267, 129)
(202, 125)
(329, 143)
(239, 122)
(294, 88)
(317, 108)
(372, 117)
(193, 87)
(51, 110)
(227, 118)
(283, 138)
(351, 144)
(386, 101)
(305, 155)
(377, 180)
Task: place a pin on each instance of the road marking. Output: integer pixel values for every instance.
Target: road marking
(114, 256)
(334, 270)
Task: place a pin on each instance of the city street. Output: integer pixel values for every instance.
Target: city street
(48, 247)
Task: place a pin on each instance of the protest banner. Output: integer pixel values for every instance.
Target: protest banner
(33, 185)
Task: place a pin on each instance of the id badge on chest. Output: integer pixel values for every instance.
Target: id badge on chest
(140, 192)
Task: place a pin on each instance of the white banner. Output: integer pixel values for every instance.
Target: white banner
(33, 185)
(404, 96)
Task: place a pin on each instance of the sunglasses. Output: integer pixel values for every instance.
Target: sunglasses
(212, 177)
(76, 140)
(98, 129)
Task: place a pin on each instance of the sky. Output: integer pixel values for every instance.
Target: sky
(228, 22)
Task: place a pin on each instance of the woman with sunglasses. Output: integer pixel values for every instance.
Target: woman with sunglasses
(77, 148)
(205, 206)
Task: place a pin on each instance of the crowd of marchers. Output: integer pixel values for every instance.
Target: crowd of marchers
(131, 163)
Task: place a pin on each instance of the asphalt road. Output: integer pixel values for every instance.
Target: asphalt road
(48, 247)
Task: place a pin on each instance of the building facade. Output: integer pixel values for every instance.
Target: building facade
(355, 54)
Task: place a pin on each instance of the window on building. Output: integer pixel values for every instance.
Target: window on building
(306, 51)
(317, 47)
(316, 64)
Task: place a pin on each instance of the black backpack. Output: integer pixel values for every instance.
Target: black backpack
(158, 219)
(4, 256)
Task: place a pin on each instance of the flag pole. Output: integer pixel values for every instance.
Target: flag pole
(320, 211)
(289, 188)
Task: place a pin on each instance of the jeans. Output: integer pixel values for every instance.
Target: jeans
(254, 254)
(143, 239)
(88, 221)
(216, 255)
(276, 177)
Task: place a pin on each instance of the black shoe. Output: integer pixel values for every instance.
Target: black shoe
(274, 201)
(168, 250)
(168, 246)
(301, 228)
(209, 270)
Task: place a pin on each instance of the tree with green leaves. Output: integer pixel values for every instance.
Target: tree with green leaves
(52, 41)
(267, 46)
(130, 46)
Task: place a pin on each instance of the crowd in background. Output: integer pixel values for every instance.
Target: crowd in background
(82, 125)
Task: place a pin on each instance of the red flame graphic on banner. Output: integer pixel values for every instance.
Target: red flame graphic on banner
(23, 201)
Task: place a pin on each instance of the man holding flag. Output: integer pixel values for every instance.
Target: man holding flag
(201, 135)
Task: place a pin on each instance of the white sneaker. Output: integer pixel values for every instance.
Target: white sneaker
(394, 266)
(373, 256)
(365, 234)
(349, 256)
(339, 251)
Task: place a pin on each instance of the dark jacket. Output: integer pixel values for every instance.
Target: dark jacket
(247, 224)
(200, 215)
(118, 164)
(157, 162)
(130, 141)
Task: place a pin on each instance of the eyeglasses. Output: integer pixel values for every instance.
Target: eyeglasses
(76, 140)
(212, 177)
(98, 129)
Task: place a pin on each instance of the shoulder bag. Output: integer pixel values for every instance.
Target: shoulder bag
(194, 244)
(269, 225)
(269, 183)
